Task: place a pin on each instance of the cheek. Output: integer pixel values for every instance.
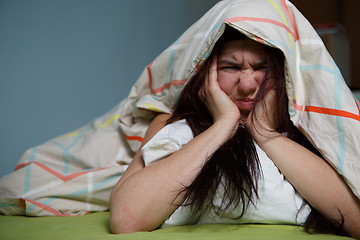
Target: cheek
(227, 82)
(260, 77)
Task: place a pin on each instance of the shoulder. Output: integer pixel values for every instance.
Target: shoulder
(160, 121)
(162, 118)
(156, 125)
(166, 141)
(175, 133)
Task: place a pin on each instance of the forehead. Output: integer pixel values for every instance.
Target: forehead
(243, 46)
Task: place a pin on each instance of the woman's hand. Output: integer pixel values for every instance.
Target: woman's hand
(262, 122)
(220, 106)
(310, 175)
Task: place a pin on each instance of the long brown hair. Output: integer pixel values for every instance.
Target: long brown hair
(235, 165)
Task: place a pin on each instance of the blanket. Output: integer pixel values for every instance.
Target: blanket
(74, 174)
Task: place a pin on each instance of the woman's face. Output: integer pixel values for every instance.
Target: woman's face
(241, 66)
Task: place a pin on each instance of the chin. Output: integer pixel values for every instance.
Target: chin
(243, 118)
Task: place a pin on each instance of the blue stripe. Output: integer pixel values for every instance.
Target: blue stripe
(33, 154)
(339, 120)
(27, 178)
(279, 43)
(338, 81)
(171, 59)
(66, 164)
(64, 156)
(30, 208)
(95, 186)
(67, 155)
(74, 194)
(46, 202)
(321, 67)
(28, 170)
(77, 160)
(8, 205)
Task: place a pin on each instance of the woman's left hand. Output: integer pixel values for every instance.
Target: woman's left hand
(262, 122)
(310, 175)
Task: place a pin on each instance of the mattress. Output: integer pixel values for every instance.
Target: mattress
(96, 226)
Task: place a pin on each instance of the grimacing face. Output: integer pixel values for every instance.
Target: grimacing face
(241, 69)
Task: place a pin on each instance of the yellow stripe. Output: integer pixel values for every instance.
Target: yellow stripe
(107, 122)
(152, 107)
(67, 135)
(93, 129)
(285, 21)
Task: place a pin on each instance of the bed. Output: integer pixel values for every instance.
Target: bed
(96, 226)
(61, 188)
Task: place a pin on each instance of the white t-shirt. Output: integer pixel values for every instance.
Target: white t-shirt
(278, 201)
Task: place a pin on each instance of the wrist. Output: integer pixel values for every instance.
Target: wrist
(227, 126)
(263, 136)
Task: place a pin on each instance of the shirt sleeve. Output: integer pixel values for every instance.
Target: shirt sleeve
(167, 141)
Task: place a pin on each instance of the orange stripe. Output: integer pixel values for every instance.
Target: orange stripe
(22, 202)
(291, 19)
(51, 171)
(241, 19)
(21, 165)
(328, 111)
(258, 39)
(46, 208)
(68, 177)
(149, 74)
(357, 106)
(56, 174)
(167, 85)
(134, 138)
(198, 66)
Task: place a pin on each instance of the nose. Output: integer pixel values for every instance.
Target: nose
(247, 83)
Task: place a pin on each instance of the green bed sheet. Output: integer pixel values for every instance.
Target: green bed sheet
(96, 226)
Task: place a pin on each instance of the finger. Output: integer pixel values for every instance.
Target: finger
(213, 71)
(210, 77)
(263, 118)
(203, 89)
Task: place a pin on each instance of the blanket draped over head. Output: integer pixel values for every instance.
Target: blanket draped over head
(74, 174)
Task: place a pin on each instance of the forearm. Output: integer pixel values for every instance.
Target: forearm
(315, 180)
(151, 194)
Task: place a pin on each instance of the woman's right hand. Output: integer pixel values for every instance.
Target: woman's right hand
(219, 104)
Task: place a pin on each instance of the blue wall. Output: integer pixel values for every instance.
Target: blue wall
(66, 62)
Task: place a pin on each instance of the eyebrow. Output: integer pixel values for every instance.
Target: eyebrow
(260, 63)
(234, 62)
(228, 61)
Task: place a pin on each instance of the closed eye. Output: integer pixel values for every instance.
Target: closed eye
(261, 67)
(226, 64)
(229, 67)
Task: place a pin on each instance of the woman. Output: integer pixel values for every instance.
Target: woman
(236, 107)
